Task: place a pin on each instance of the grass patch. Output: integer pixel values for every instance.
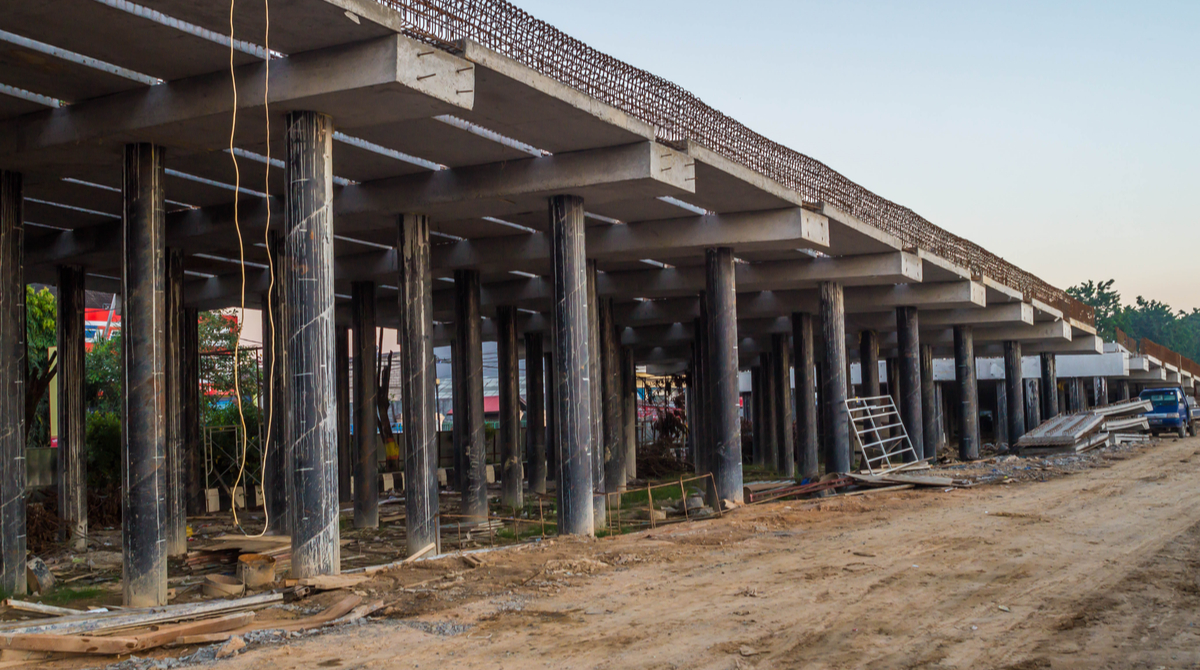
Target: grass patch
(664, 494)
(63, 595)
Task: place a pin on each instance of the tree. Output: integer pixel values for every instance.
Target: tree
(1179, 331)
(1106, 301)
(40, 334)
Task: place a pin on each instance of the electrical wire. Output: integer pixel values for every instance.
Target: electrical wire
(237, 386)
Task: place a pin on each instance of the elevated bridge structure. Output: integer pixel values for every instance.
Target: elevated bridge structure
(458, 170)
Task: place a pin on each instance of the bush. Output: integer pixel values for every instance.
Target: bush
(103, 450)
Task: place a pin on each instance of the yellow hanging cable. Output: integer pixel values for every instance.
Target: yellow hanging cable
(242, 265)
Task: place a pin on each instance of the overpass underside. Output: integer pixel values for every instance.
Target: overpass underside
(365, 165)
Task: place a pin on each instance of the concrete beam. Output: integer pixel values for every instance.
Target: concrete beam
(369, 83)
(660, 239)
(952, 295)
(628, 172)
(1008, 314)
(1089, 344)
(875, 269)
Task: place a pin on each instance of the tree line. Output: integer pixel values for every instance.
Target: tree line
(1177, 330)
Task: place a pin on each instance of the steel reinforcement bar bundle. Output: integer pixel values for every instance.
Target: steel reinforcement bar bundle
(680, 116)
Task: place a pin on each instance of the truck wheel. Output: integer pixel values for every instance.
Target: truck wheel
(1182, 432)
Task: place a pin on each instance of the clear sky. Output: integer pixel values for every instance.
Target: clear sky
(1062, 136)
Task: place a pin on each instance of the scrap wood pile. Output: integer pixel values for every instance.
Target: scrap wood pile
(1091, 429)
(222, 553)
(850, 484)
(65, 632)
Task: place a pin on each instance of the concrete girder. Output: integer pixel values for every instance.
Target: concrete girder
(1087, 344)
(875, 269)
(381, 80)
(1006, 314)
(662, 239)
(627, 172)
(194, 230)
(950, 295)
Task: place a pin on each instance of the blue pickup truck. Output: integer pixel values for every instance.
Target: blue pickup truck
(1171, 410)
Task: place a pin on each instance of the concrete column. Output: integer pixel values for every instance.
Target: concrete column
(173, 382)
(756, 413)
(596, 400)
(723, 344)
(806, 396)
(1033, 405)
(193, 447)
(693, 408)
(1123, 390)
(572, 409)
(456, 435)
(72, 413)
(629, 386)
(1049, 387)
(784, 436)
(1074, 395)
(1001, 422)
(12, 385)
(535, 413)
(312, 425)
(868, 357)
(511, 493)
(615, 452)
(1100, 384)
(968, 393)
(552, 447)
(703, 404)
(366, 404)
(833, 324)
(1015, 387)
(143, 331)
(909, 382)
(345, 445)
(770, 411)
(930, 429)
(468, 325)
(892, 369)
(275, 394)
(418, 384)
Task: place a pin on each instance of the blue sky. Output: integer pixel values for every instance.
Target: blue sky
(1061, 136)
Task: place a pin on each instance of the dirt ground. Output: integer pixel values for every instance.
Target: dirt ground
(1096, 569)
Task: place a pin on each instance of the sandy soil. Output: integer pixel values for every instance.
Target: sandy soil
(1093, 570)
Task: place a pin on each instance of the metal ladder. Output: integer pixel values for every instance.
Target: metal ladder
(871, 419)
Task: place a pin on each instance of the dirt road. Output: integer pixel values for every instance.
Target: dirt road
(1094, 570)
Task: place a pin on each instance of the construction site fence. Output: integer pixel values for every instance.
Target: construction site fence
(680, 118)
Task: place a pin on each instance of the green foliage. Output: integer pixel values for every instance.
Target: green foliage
(63, 595)
(1177, 330)
(218, 337)
(41, 311)
(103, 438)
(102, 370)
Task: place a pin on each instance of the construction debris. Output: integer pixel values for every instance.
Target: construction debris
(1084, 431)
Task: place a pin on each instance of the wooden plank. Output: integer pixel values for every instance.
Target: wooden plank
(333, 582)
(72, 644)
(335, 611)
(134, 618)
(169, 634)
(39, 608)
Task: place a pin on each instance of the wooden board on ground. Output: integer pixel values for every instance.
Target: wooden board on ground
(333, 582)
(913, 479)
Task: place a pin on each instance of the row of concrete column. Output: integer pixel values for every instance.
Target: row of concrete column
(911, 384)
